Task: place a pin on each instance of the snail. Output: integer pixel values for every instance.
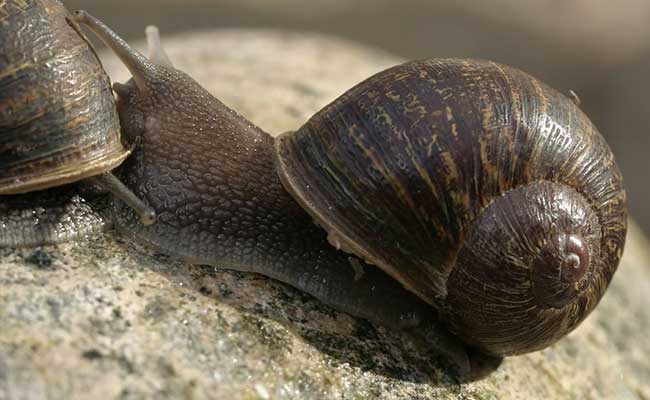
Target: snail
(58, 124)
(489, 210)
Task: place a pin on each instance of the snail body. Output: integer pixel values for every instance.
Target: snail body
(487, 200)
(58, 124)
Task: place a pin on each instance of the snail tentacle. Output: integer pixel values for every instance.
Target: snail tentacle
(155, 49)
(136, 63)
(108, 182)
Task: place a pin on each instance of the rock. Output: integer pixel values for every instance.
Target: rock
(103, 318)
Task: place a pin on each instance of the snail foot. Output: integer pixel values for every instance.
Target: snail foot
(451, 351)
(481, 365)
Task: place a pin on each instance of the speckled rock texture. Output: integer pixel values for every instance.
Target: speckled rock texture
(106, 319)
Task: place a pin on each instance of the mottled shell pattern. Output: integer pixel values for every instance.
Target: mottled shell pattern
(482, 190)
(58, 120)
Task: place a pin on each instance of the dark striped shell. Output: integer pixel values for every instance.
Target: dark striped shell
(58, 121)
(482, 190)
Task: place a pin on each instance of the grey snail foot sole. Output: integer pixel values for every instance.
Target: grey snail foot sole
(449, 349)
(481, 365)
(465, 363)
(52, 216)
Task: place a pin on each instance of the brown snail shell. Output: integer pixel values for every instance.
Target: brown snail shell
(483, 191)
(58, 121)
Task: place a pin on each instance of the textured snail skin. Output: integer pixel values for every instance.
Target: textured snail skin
(56, 215)
(210, 176)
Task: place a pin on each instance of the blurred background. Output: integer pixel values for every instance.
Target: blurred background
(598, 48)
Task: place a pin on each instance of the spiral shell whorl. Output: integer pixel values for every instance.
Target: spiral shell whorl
(528, 272)
(403, 167)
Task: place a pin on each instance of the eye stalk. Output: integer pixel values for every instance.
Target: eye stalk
(136, 63)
